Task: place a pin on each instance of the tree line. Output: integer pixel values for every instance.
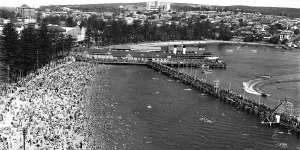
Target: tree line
(6, 14)
(30, 50)
(118, 31)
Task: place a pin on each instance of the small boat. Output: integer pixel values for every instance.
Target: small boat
(206, 71)
(264, 94)
(267, 76)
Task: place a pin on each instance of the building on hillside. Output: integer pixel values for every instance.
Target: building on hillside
(26, 12)
(76, 32)
(286, 34)
(1, 29)
(55, 29)
(157, 5)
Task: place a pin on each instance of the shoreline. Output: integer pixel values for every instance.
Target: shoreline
(51, 106)
(162, 43)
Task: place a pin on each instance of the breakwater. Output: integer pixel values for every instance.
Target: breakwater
(264, 113)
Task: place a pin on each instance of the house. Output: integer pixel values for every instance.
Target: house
(4, 21)
(26, 12)
(55, 29)
(286, 34)
(76, 32)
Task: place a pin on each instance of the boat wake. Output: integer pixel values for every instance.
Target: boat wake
(254, 86)
(249, 90)
(249, 87)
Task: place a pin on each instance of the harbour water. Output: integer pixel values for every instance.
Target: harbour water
(251, 64)
(147, 110)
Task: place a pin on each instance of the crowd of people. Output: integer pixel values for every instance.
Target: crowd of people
(47, 108)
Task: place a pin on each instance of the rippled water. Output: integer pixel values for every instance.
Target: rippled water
(151, 112)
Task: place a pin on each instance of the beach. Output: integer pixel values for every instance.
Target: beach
(49, 109)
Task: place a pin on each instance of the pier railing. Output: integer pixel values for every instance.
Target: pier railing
(227, 96)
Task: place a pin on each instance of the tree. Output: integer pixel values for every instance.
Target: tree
(11, 49)
(7, 14)
(274, 28)
(69, 40)
(225, 34)
(70, 22)
(82, 24)
(284, 41)
(88, 37)
(274, 40)
(297, 31)
(45, 45)
(29, 48)
(249, 38)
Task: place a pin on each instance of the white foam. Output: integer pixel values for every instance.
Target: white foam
(187, 89)
(249, 88)
(283, 145)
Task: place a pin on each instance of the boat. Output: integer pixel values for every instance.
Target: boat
(205, 67)
(207, 71)
(264, 94)
(267, 76)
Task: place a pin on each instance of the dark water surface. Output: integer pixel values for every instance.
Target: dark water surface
(155, 113)
(148, 111)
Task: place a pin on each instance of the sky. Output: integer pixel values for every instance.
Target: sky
(272, 3)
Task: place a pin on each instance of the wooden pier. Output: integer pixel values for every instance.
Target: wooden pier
(197, 64)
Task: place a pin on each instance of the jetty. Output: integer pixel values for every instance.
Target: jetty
(268, 116)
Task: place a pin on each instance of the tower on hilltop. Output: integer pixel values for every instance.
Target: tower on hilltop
(156, 5)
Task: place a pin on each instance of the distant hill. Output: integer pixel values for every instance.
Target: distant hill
(278, 11)
(98, 7)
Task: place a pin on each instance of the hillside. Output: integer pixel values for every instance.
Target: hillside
(98, 7)
(279, 11)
